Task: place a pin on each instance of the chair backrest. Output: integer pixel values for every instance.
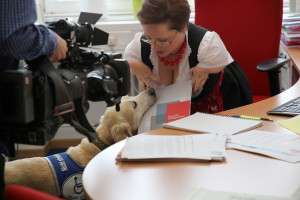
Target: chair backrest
(19, 192)
(250, 30)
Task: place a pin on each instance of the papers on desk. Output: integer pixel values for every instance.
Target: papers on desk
(201, 193)
(277, 145)
(292, 124)
(204, 147)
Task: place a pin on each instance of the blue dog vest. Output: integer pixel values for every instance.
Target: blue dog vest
(68, 176)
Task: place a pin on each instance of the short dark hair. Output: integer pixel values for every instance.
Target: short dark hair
(176, 13)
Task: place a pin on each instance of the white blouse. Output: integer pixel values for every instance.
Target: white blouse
(212, 53)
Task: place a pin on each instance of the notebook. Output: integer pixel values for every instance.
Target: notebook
(211, 123)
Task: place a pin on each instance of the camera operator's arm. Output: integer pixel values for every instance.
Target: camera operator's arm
(20, 38)
(61, 49)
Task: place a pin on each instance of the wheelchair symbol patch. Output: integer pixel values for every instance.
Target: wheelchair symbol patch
(72, 187)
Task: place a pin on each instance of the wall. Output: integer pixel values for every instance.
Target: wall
(285, 75)
(122, 31)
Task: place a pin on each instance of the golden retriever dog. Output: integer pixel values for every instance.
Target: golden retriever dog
(114, 126)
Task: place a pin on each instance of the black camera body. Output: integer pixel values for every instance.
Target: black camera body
(30, 112)
(16, 102)
(27, 112)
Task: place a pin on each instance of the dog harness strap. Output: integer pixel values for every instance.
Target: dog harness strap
(82, 120)
(68, 176)
(100, 144)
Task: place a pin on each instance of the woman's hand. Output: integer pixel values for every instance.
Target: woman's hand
(200, 75)
(143, 74)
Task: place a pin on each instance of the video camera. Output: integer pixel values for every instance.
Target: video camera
(36, 101)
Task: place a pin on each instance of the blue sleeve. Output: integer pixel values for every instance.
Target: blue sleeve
(20, 38)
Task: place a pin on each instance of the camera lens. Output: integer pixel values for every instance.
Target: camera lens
(102, 82)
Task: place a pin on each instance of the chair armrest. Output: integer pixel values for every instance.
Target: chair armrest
(271, 64)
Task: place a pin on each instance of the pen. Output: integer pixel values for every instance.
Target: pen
(251, 117)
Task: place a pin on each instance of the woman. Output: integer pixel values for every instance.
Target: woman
(171, 49)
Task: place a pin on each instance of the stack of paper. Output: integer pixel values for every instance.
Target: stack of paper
(277, 145)
(204, 147)
(291, 30)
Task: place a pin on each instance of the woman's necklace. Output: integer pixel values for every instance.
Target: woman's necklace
(179, 56)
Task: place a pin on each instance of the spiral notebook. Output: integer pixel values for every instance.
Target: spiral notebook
(211, 123)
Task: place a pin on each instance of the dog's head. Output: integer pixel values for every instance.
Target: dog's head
(116, 126)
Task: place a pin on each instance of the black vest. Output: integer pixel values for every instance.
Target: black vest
(235, 87)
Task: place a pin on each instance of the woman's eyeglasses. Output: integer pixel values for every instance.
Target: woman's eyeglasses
(164, 44)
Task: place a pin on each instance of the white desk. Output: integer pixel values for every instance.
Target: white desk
(104, 178)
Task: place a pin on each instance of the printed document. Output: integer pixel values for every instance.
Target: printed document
(174, 147)
(201, 193)
(277, 145)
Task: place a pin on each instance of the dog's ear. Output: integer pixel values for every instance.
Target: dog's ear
(120, 131)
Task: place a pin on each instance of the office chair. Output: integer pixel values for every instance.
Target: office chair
(251, 31)
(18, 192)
